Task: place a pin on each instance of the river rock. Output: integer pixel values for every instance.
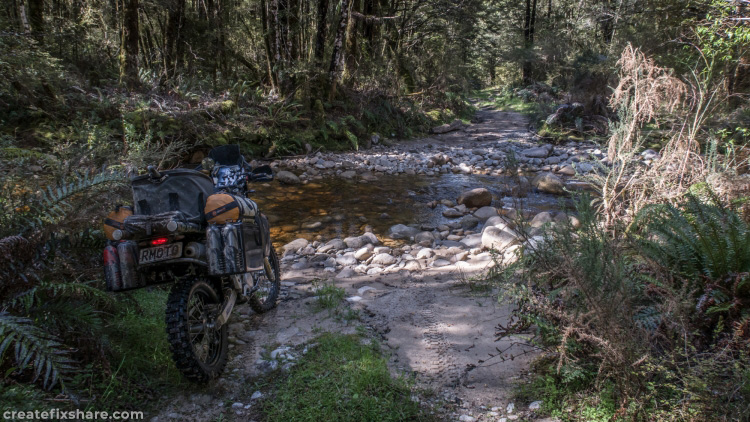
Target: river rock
(540, 152)
(476, 198)
(346, 260)
(549, 183)
(498, 222)
(469, 221)
(567, 170)
(383, 259)
(287, 178)
(485, 212)
(349, 174)
(425, 253)
(295, 245)
(541, 219)
(369, 237)
(336, 243)
(347, 272)
(400, 231)
(452, 213)
(355, 242)
(440, 263)
(363, 253)
(496, 238)
(424, 238)
(472, 240)
(413, 265)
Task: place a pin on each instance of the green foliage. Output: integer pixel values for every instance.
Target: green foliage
(32, 346)
(51, 205)
(329, 296)
(343, 379)
(695, 239)
(641, 325)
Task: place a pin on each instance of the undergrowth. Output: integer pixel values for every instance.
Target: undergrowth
(343, 379)
(652, 325)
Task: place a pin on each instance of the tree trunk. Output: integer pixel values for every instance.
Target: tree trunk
(337, 58)
(528, 41)
(352, 30)
(320, 38)
(23, 19)
(173, 38)
(36, 19)
(267, 43)
(129, 50)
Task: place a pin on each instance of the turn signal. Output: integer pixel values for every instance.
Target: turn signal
(159, 241)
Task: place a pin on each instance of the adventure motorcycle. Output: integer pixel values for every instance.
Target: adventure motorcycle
(203, 234)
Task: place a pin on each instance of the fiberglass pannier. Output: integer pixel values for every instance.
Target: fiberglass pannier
(180, 190)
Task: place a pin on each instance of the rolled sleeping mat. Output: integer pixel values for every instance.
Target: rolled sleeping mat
(115, 219)
(223, 207)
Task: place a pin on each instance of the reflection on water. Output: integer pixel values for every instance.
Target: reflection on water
(334, 207)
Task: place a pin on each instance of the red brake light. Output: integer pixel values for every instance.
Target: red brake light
(159, 241)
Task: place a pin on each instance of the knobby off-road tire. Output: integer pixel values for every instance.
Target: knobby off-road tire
(264, 299)
(198, 349)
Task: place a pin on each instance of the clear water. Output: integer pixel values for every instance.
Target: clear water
(344, 208)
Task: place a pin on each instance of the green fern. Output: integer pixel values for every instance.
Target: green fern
(695, 239)
(36, 348)
(53, 203)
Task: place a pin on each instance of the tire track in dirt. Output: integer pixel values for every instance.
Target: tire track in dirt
(443, 367)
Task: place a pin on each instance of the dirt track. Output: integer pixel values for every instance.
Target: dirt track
(435, 327)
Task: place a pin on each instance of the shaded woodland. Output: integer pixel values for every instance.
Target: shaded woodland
(642, 311)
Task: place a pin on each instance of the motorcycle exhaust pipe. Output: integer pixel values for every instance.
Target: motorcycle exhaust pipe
(195, 250)
(215, 250)
(127, 252)
(112, 274)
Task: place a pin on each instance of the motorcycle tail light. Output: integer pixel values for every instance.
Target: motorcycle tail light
(159, 241)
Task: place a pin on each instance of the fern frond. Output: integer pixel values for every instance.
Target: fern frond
(34, 347)
(53, 204)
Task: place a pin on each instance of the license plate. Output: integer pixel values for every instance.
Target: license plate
(160, 253)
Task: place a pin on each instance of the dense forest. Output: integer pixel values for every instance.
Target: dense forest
(654, 277)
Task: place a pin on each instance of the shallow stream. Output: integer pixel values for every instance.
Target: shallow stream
(334, 207)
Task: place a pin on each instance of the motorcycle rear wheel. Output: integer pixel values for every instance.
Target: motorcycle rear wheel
(199, 349)
(264, 299)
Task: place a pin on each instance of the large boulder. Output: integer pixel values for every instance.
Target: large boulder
(497, 238)
(476, 198)
(287, 178)
(400, 231)
(548, 183)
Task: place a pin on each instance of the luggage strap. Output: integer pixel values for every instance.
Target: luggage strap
(222, 209)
